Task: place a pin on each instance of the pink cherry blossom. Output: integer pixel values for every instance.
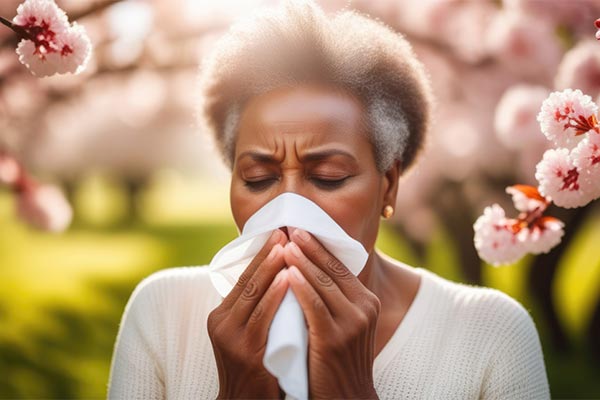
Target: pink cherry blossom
(544, 235)
(42, 20)
(586, 157)
(76, 49)
(566, 116)
(50, 45)
(45, 207)
(502, 240)
(561, 180)
(597, 24)
(527, 198)
(498, 240)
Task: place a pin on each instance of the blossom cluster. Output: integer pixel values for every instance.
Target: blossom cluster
(570, 173)
(568, 176)
(49, 43)
(502, 240)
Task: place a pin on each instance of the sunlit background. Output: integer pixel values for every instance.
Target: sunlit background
(148, 190)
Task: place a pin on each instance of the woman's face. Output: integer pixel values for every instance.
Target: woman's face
(309, 140)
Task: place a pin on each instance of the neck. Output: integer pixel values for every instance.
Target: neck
(372, 274)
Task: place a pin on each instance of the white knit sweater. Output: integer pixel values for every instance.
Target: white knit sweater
(455, 342)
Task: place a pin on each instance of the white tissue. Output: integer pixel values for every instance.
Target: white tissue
(285, 354)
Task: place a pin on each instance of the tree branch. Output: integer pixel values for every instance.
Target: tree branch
(6, 22)
(21, 33)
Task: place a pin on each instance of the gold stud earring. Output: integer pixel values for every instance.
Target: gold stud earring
(388, 211)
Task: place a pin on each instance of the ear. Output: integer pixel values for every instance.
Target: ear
(390, 184)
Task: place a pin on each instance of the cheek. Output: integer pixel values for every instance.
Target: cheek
(243, 204)
(356, 211)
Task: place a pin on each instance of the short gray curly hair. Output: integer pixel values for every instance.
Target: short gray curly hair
(297, 43)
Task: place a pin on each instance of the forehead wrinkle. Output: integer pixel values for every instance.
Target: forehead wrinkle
(307, 142)
(277, 139)
(296, 153)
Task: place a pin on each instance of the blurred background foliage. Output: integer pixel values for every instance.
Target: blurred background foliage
(149, 192)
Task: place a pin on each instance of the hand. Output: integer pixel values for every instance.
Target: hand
(238, 327)
(341, 314)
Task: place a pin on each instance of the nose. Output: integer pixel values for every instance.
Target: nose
(292, 182)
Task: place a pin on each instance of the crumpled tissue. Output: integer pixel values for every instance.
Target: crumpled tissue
(287, 341)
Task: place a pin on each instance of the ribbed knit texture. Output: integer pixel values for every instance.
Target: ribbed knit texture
(455, 342)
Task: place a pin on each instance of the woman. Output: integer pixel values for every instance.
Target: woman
(335, 110)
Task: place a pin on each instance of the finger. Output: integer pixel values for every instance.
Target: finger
(328, 290)
(261, 317)
(258, 284)
(318, 317)
(348, 283)
(277, 237)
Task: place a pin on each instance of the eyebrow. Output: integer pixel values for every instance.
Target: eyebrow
(324, 154)
(307, 157)
(257, 156)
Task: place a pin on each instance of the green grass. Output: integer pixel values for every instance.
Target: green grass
(62, 296)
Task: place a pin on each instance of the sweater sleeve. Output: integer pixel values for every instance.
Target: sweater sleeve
(516, 369)
(135, 371)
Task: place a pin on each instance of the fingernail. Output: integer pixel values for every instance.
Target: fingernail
(275, 235)
(295, 249)
(273, 252)
(302, 235)
(279, 277)
(297, 274)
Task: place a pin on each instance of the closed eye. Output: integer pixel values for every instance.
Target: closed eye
(257, 185)
(328, 183)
